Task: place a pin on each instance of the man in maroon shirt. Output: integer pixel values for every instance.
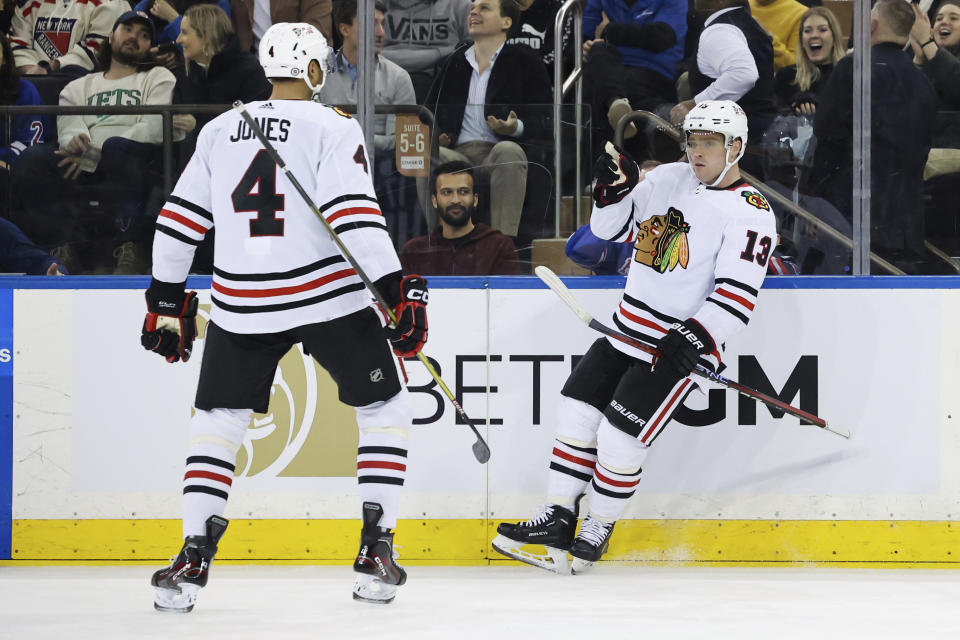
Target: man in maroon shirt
(458, 246)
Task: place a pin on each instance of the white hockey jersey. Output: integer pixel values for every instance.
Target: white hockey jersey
(699, 252)
(275, 265)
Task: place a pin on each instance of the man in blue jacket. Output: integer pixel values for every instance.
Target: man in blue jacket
(631, 49)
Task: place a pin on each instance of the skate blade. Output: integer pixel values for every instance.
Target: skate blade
(172, 600)
(579, 566)
(372, 589)
(554, 560)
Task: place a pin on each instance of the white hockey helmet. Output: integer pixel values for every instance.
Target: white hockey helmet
(719, 116)
(287, 48)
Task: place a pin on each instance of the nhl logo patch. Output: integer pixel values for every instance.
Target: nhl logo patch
(376, 375)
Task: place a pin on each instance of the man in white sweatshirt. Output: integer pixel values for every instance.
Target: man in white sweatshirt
(114, 154)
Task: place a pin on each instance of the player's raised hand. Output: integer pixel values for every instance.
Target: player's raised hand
(615, 173)
(410, 333)
(171, 323)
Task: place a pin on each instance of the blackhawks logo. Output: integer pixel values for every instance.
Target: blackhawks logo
(662, 242)
(754, 199)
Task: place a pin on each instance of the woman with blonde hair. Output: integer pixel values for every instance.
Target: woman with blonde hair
(798, 85)
(216, 70)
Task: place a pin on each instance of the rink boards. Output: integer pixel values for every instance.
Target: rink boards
(94, 431)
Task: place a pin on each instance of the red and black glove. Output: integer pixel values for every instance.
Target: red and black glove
(171, 323)
(410, 332)
(616, 174)
(681, 348)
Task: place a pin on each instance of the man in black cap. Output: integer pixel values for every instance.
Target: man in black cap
(119, 154)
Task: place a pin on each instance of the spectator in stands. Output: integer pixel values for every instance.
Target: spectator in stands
(24, 130)
(252, 18)
(936, 51)
(392, 86)
(631, 52)
(18, 254)
(734, 61)
(216, 69)
(781, 18)
(167, 16)
(61, 37)
(117, 155)
(488, 97)
(535, 29)
(458, 246)
(798, 86)
(902, 118)
(421, 34)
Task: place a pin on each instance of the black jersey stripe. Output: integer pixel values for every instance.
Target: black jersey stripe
(591, 450)
(199, 488)
(624, 230)
(164, 229)
(279, 275)
(389, 451)
(346, 198)
(350, 226)
(586, 477)
(611, 494)
(195, 208)
(662, 317)
(379, 480)
(730, 309)
(633, 333)
(216, 462)
(285, 306)
(738, 285)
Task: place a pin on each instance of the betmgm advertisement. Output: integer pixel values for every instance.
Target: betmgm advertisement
(99, 434)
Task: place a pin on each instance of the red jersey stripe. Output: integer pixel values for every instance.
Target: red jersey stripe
(733, 296)
(354, 211)
(209, 475)
(566, 456)
(187, 222)
(284, 291)
(639, 320)
(616, 483)
(666, 410)
(380, 464)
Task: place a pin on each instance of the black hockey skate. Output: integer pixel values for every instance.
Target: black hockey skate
(176, 587)
(553, 528)
(378, 574)
(591, 543)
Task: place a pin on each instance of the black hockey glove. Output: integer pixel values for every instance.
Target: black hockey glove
(615, 174)
(410, 332)
(681, 348)
(171, 323)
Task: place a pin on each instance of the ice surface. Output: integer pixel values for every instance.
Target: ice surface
(615, 601)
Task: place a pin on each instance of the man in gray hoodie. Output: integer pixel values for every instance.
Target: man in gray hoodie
(421, 33)
(392, 85)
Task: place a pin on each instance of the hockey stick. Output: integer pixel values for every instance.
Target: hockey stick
(551, 280)
(480, 449)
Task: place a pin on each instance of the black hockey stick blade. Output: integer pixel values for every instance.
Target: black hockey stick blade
(556, 285)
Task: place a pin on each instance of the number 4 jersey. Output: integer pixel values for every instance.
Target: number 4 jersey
(699, 252)
(275, 265)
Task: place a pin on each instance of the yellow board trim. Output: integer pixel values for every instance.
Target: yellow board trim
(467, 542)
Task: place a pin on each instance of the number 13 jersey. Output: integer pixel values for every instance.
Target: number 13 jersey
(275, 265)
(699, 252)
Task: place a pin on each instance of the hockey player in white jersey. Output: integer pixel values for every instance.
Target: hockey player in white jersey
(279, 280)
(702, 238)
